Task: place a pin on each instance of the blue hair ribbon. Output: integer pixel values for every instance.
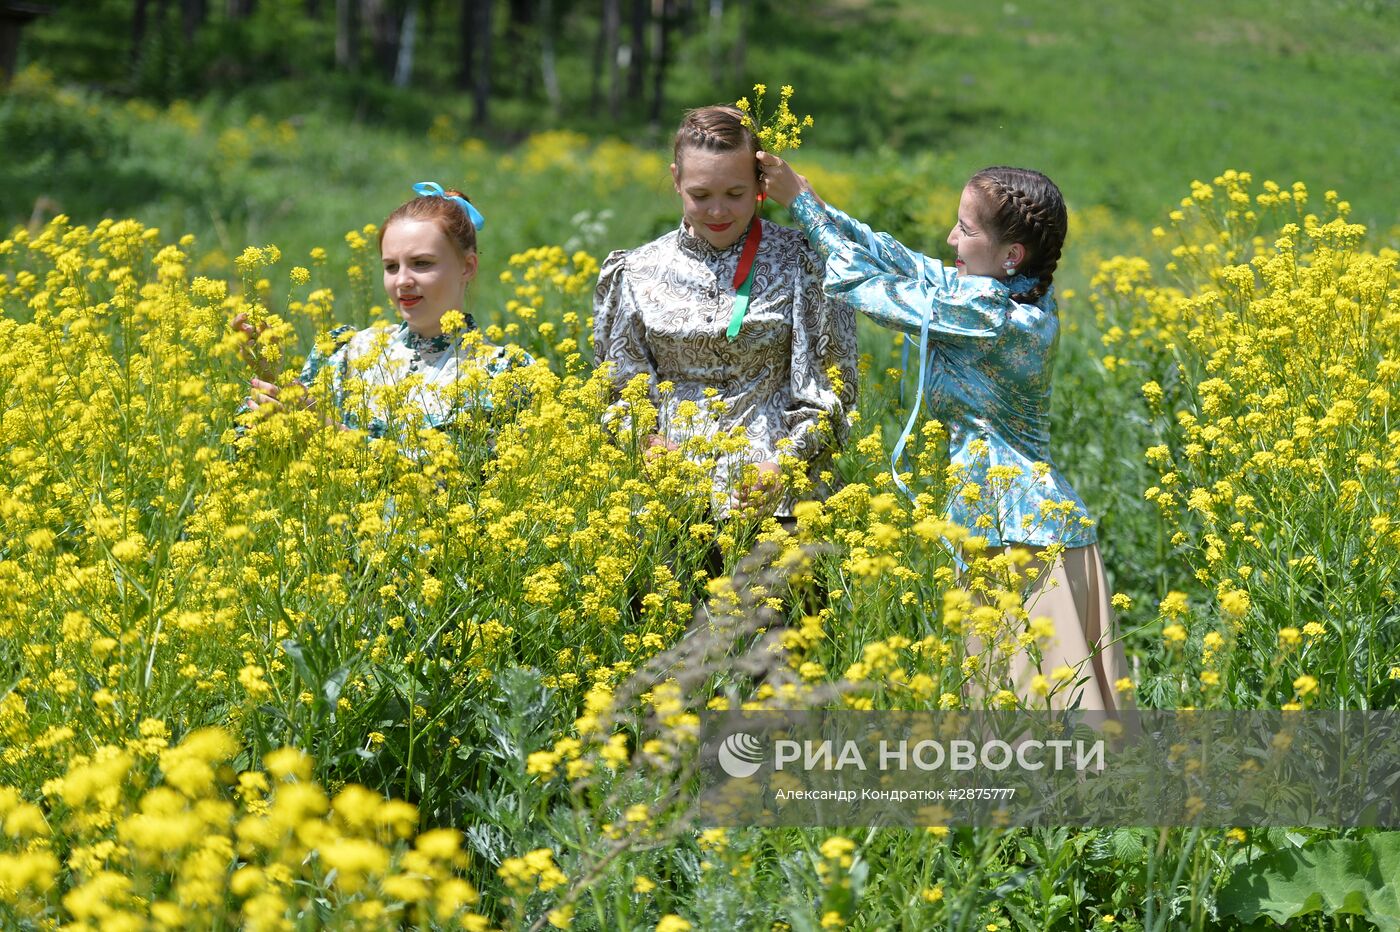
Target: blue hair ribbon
(433, 189)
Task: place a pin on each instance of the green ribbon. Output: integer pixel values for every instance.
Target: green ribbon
(743, 277)
(741, 307)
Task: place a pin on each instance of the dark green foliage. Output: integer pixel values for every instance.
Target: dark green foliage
(1118, 102)
(1334, 877)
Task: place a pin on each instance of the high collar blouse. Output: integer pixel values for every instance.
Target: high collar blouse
(989, 365)
(381, 358)
(662, 310)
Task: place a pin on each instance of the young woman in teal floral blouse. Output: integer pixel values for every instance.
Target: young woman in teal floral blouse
(428, 250)
(988, 329)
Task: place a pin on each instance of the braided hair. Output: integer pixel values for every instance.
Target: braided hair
(718, 128)
(1024, 206)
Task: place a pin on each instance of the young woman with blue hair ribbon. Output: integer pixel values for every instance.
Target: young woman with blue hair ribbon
(987, 331)
(428, 251)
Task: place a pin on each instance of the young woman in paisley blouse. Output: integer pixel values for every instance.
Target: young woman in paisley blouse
(428, 249)
(729, 307)
(988, 329)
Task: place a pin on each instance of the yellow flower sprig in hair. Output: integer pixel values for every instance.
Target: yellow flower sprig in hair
(780, 130)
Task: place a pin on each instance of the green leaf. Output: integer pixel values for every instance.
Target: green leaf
(1022, 918)
(860, 873)
(298, 655)
(1332, 877)
(334, 684)
(1128, 846)
(1057, 908)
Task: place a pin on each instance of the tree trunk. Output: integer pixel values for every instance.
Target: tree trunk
(10, 28)
(139, 22)
(599, 50)
(661, 10)
(520, 22)
(383, 36)
(612, 28)
(347, 35)
(716, 38)
(148, 37)
(193, 13)
(403, 69)
(637, 73)
(548, 72)
(741, 41)
(481, 85)
(466, 47)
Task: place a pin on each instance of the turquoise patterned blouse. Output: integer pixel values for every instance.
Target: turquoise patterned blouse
(988, 374)
(377, 359)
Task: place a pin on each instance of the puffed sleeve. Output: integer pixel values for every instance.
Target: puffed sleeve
(823, 337)
(897, 287)
(318, 359)
(618, 335)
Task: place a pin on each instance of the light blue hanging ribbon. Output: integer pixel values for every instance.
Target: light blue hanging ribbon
(903, 441)
(904, 366)
(433, 189)
(918, 402)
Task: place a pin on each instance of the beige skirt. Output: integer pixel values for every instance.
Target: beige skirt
(1074, 595)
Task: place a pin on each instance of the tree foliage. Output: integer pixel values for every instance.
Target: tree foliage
(613, 58)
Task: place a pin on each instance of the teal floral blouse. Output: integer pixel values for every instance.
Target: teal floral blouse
(382, 357)
(989, 362)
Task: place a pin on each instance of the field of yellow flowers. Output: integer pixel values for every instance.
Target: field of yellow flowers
(257, 672)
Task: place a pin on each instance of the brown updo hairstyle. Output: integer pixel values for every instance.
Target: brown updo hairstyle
(447, 214)
(1023, 206)
(719, 128)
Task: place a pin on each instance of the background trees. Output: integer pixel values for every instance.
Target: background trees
(611, 57)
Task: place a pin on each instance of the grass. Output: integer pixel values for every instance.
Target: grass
(1119, 102)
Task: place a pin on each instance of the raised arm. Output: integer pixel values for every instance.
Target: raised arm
(899, 288)
(785, 185)
(876, 274)
(888, 251)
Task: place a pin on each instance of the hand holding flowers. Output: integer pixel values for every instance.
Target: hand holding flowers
(780, 182)
(243, 323)
(778, 132)
(657, 445)
(763, 490)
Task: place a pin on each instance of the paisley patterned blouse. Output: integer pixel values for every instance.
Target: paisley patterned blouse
(988, 378)
(662, 310)
(382, 357)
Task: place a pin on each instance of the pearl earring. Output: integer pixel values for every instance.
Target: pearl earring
(1009, 265)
